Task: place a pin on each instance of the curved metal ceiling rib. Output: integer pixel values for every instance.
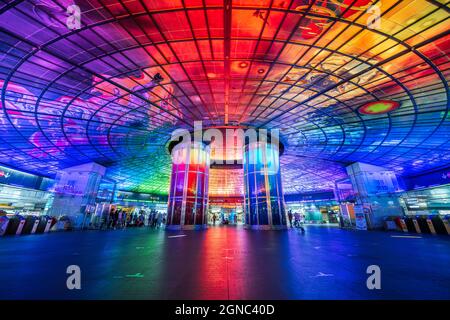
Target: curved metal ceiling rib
(114, 89)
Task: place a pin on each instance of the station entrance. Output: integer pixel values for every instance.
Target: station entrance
(226, 212)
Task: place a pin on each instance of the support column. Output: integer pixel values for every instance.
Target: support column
(75, 188)
(264, 201)
(375, 189)
(188, 194)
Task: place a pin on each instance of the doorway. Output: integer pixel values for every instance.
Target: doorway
(225, 215)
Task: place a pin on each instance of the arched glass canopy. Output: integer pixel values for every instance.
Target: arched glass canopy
(341, 84)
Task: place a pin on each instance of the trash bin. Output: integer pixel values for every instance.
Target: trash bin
(430, 225)
(412, 225)
(15, 224)
(446, 222)
(409, 224)
(416, 225)
(4, 221)
(423, 224)
(29, 224)
(35, 225)
(51, 221)
(12, 225)
(21, 224)
(42, 224)
(438, 224)
(400, 222)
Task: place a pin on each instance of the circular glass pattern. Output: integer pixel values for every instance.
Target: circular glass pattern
(132, 82)
(379, 107)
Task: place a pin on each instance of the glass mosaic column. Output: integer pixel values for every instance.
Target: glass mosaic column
(188, 195)
(75, 189)
(376, 191)
(264, 201)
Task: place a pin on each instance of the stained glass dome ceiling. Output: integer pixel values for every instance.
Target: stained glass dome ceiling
(340, 85)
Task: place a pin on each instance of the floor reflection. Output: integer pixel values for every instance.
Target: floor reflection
(224, 262)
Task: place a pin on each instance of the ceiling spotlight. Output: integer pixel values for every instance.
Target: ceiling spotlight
(243, 64)
(211, 75)
(261, 71)
(378, 107)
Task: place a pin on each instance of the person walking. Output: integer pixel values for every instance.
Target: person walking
(290, 218)
(298, 222)
(120, 218)
(159, 220)
(153, 223)
(115, 219)
(149, 219)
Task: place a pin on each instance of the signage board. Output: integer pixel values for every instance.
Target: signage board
(360, 219)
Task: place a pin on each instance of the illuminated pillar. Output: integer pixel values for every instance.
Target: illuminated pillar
(264, 201)
(188, 195)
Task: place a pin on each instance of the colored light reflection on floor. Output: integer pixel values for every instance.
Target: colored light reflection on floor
(225, 263)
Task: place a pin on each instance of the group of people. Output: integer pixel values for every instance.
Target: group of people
(119, 218)
(224, 219)
(156, 219)
(296, 220)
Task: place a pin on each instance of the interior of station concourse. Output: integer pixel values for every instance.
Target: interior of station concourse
(301, 134)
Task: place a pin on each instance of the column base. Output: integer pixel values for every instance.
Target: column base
(265, 227)
(186, 227)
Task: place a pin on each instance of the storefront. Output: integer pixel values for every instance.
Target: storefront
(314, 207)
(316, 211)
(23, 200)
(227, 210)
(428, 201)
(23, 193)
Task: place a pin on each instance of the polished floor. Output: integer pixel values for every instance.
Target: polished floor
(225, 263)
